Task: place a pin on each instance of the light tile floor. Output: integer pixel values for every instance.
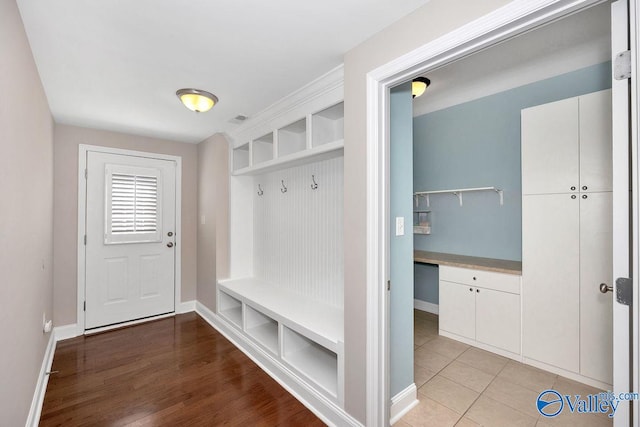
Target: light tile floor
(459, 385)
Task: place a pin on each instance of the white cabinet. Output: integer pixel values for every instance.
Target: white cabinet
(566, 235)
(481, 306)
(566, 145)
(550, 285)
(457, 309)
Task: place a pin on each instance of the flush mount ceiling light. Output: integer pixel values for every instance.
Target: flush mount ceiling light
(419, 85)
(197, 100)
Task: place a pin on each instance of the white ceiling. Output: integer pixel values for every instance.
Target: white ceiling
(116, 65)
(575, 42)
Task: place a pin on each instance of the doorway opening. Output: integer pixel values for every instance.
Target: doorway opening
(383, 79)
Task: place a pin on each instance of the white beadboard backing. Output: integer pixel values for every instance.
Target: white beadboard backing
(298, 234)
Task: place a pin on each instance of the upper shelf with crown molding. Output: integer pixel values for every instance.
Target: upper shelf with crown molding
(316, 137)
(304, 127)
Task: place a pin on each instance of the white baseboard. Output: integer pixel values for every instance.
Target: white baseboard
(186, 307)
(402, 403)
(426, 306)
(329, 412)
(65, 332)
(41, 386)
(568, 374)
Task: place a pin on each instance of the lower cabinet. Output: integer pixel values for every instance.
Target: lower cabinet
(481, 306)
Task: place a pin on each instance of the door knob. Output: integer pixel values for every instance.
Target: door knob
(170, 244)
(604, 288)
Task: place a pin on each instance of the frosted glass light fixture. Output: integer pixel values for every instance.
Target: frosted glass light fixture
(419, 85)
(197, 100)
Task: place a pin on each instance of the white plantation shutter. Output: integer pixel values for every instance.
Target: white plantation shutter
(133, 204)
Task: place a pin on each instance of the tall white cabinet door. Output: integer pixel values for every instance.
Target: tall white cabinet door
(550, 148)
(457, 309)
(595, 142)
(596, 311)
(498, 319)
(550, 279)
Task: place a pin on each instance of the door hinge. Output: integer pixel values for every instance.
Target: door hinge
(388, 285)
(622, 66)
(85, 240)
(84, 306)
(624, 290)
(86, 173)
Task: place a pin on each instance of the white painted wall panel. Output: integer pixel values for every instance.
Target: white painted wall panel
(298, 234)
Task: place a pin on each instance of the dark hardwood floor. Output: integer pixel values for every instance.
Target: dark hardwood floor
(177, 372)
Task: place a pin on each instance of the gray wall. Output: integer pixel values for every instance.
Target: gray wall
(26, 214)
(213, 205)
(434, 19)
(67, 140)
(401, 255)
(477, 144)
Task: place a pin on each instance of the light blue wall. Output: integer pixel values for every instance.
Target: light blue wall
(401, 256)
(477, 144)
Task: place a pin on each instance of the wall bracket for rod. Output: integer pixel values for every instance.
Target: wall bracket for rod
(458, 193)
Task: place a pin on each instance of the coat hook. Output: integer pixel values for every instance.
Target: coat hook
(315, 184)
(260, 191)
(284, 188)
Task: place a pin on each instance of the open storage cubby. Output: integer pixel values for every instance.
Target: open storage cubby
(241, 157)
(311, 359)
(292, 138)
(230, 308)
(263, 149)
(328, 125)
(262, 328)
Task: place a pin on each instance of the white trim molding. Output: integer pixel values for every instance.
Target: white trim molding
(403, 402)
(328, 411)
(429, 307)
(83, 150)
(278, 113)
(65, 332)
(186, 307)
(33, 419)
(505, 22)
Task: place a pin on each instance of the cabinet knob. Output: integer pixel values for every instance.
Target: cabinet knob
(584, 187)
(573, 188)
(584, 196)
(474, 278)
(573, 196)
(478, 290)
(470, 289)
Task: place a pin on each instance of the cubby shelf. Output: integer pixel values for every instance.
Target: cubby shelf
(311, 359)
(309, 333)
(231, 309)
(316, 137)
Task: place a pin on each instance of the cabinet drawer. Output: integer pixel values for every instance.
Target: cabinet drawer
(485, 279)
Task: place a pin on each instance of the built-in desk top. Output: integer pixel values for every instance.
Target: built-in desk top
(478, 263)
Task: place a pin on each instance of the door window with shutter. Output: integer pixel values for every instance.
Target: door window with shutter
(132, 213)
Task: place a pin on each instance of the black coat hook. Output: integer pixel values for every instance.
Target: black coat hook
(315, 184)
(260, 191)
(284, 187)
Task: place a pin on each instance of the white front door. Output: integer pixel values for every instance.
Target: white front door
(130, 238)
(625, 214)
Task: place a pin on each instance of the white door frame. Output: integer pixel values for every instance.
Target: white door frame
(83, 149)
(508, 21)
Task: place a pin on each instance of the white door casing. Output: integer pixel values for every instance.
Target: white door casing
(153, 265)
